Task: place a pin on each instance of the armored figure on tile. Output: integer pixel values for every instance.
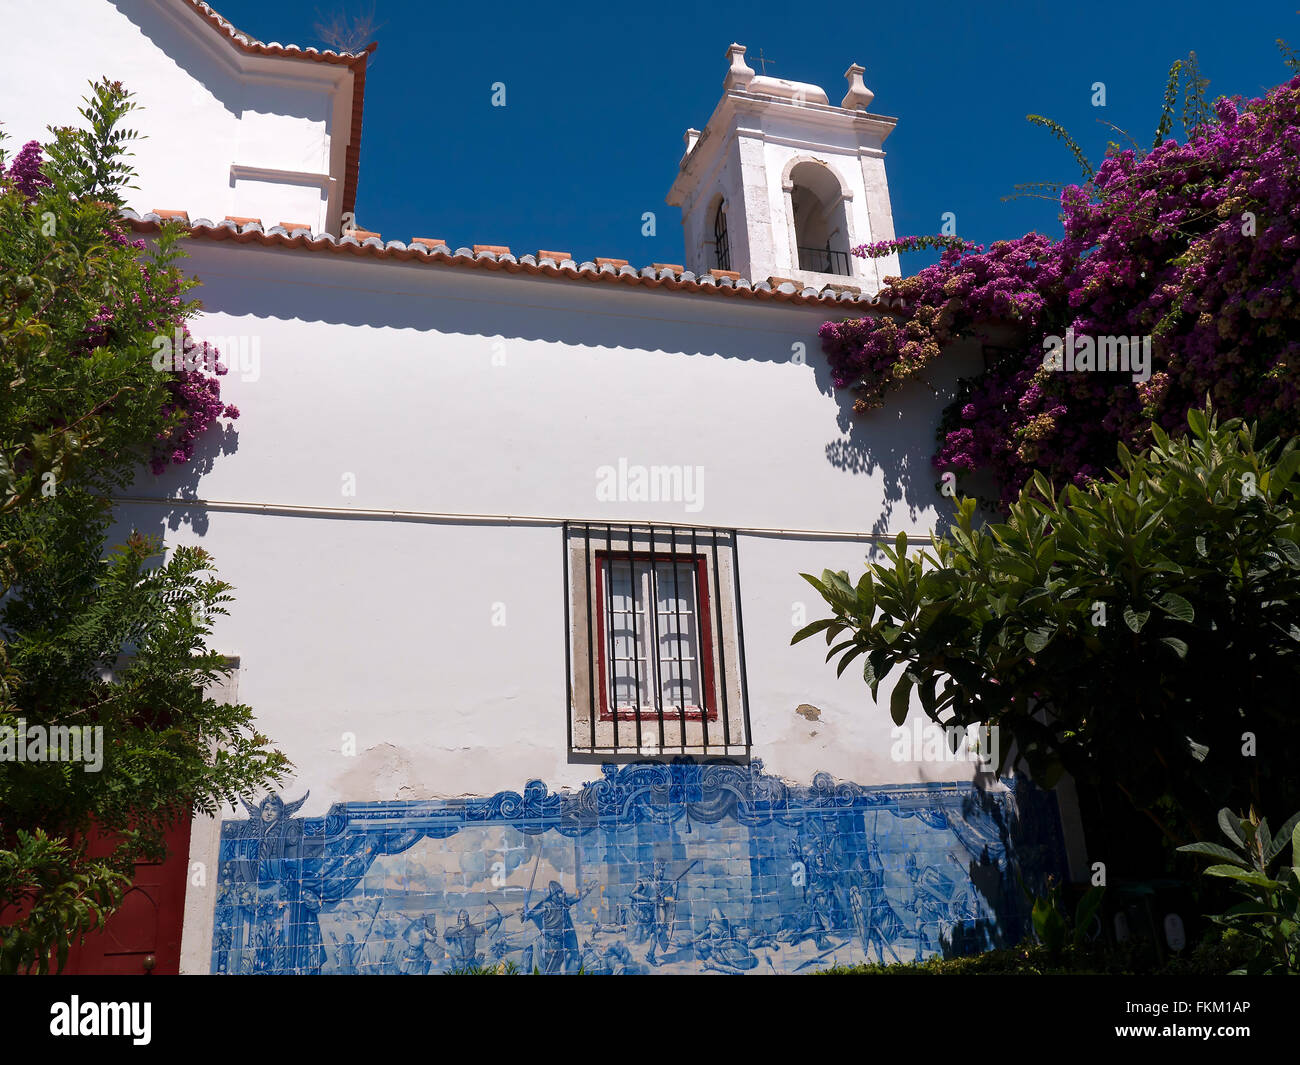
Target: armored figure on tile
(939, 900)
(822, 915)
(877, 921)
(463, 936)
(722, 948)
(559, 946)
(654, 908)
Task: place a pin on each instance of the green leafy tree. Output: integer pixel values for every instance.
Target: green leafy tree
(108, 640)
(1142, 632)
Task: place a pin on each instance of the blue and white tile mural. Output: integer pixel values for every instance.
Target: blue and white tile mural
(653, 868)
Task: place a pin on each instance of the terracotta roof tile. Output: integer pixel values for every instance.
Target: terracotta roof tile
(352, 164)
(558, 256)
(676, 268)
(497, 257)
(255, 47)
(611, 262)
(240, 220)
(429, 242)
(173, 216)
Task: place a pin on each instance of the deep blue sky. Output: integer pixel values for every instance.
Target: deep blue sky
(598, 98)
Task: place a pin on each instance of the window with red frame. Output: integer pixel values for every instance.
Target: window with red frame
(655, 644)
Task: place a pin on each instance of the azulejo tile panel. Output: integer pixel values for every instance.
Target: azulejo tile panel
(681, 867)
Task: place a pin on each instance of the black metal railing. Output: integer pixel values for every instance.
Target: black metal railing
(631, 705)
(824, 261)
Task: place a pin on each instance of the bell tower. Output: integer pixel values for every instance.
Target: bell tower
(782, 184)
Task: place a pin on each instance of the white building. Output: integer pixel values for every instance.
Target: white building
(454, 465)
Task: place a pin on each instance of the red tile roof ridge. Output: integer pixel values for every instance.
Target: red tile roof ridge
(252, 45)
(424, 249)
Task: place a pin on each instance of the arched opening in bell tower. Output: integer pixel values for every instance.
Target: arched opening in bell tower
(821, 225)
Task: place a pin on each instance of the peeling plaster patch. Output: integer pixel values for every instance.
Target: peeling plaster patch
(380, 772)
(809, 711)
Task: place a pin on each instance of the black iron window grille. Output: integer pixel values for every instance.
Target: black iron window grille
(824, 261)
(654, 641)
(720, 241)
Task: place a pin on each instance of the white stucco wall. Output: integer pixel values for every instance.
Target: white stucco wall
(462, 392)
(207, 108)
(474, 392)
(449, 391)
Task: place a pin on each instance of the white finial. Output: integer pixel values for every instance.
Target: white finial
(858, 96)
(740, 74)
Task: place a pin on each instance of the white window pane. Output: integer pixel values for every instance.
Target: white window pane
(675, 629)
(618, 578)
(678, 643)
(653, 634)
(676, 593)
(681, 683)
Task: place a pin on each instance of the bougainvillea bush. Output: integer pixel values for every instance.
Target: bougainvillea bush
(75, 284)
(1195, 245)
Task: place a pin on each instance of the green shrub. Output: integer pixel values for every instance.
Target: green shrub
(1269, 917)
(1215, 957)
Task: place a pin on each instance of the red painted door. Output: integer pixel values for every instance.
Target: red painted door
(144, 935)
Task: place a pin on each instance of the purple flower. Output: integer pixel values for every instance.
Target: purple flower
(25, 171)
(1194, 246)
